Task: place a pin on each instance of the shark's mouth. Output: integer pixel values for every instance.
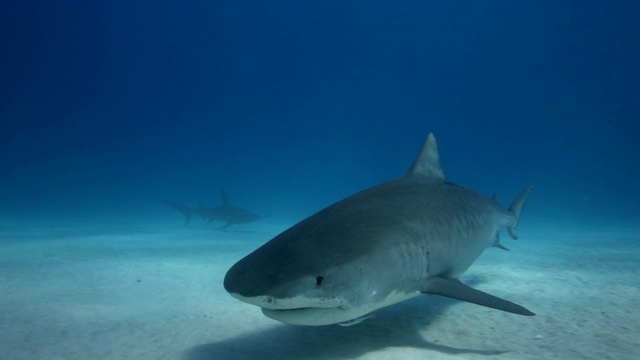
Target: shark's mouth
(310, 316)
(292, 303)
(321, 311)
(303, 311)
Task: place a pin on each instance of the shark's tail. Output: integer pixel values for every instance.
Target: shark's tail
(516, 208)
(184, 210)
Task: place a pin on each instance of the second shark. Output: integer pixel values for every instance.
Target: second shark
(226, 212)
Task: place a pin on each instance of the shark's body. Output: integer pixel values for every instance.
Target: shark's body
(410, 236)
(226, 212)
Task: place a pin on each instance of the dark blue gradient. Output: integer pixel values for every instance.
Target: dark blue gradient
(106, 106)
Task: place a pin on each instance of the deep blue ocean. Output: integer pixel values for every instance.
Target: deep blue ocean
(292, 105)
(108, 106)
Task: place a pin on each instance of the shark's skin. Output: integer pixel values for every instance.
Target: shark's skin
(413, 235)
(226, 212)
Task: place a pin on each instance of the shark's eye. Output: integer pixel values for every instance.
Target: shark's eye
(319, 280)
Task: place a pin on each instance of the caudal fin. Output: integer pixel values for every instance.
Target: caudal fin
(516, 208)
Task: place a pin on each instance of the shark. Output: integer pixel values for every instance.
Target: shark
(227, 212)
(413, 235)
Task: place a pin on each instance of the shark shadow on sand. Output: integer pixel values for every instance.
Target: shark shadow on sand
(390, 328)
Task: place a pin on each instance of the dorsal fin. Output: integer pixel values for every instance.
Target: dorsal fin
(225, 199)
(427, 164)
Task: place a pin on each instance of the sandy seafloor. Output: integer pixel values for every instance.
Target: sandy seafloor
(155, 292)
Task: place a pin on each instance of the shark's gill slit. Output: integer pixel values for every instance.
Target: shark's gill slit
(319, 280)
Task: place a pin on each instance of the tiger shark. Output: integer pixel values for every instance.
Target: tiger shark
(409, 236)
(227, 212)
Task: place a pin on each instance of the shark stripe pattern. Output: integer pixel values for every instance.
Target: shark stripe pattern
(409, 236)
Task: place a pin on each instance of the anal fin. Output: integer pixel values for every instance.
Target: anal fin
(456, 290)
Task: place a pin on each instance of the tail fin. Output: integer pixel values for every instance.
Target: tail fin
(516, 208)
(184, 210)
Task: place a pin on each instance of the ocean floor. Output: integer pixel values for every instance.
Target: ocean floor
(155, 292)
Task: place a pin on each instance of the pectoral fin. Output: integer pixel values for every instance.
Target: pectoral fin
(457, 290)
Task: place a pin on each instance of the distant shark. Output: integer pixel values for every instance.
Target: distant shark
(413, 235)
(226, 212)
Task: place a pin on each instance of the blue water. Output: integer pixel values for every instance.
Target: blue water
(107, 106)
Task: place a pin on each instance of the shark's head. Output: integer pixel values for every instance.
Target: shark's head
(290, 295)
(304, 277)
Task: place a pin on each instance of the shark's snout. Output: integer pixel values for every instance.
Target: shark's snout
(239, 282)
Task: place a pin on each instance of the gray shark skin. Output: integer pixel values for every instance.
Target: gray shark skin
(413, 235)
(226, 212)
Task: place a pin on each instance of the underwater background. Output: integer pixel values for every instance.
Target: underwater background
(290, 106)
